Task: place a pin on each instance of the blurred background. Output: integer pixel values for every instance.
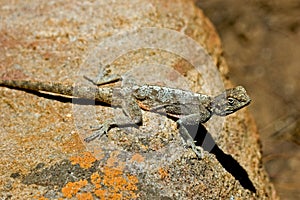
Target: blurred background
(261, 41)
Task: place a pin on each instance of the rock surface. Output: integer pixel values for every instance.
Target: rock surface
(42, 152)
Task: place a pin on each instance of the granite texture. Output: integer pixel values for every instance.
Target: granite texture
(42, 152)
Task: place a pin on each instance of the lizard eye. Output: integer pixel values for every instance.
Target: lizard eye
(231, 101)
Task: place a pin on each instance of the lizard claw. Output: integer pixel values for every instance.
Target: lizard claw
(96, 134)
(99, 131)
(198, 151)
(189, 142)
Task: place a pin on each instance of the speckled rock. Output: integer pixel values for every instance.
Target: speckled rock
(168, 43)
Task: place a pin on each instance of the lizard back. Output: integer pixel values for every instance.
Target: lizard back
(173, 101)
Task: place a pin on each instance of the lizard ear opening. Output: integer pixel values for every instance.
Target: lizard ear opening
(219, 104)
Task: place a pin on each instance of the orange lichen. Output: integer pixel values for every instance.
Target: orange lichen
(73, 187)
(116, 184)
(85, 196)
(119, 184)
(42, 198)
(132, 180)
(96, 180)
(109, 183)
(137, 158)
(100, 193)
(115, 196)
(163, 173)
(112, 178)
(85, 161)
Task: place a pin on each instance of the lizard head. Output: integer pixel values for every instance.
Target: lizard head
(230, 101)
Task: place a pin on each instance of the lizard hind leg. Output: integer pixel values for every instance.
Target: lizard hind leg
(100, 130)
(133, 116)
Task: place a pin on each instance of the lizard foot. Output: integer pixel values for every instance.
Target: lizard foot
(189, 142)
(197, 150)
(99, 131)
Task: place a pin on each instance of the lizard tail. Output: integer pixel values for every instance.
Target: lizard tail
(39, 86)
(98, 94)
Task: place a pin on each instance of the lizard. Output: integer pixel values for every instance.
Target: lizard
(188, 108)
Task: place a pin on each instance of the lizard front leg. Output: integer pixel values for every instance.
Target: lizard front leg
(133, 116)
(192, 120)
